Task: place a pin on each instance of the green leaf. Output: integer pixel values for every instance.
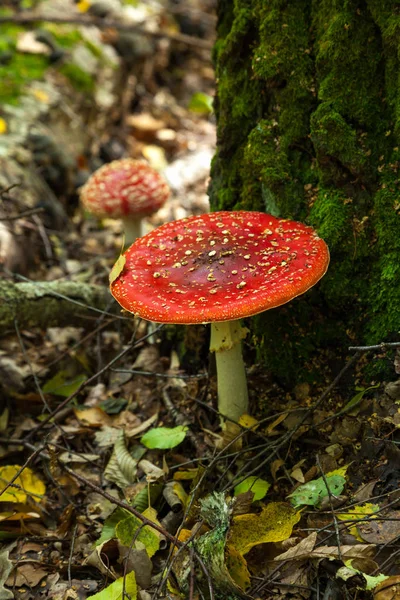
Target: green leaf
(127, 529)
(62, 384)
(5, 569)
(254, 484)
(117, 268)
(311, 493)
(110, 524)
(201, 103)
(116, 589)
(164, 437)
(357, 398)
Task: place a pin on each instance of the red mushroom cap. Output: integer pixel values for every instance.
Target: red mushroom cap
(124, 187)
(218, 267)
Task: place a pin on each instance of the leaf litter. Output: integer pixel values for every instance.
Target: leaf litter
(131, 489)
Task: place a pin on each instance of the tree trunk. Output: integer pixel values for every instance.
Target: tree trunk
(308, 110)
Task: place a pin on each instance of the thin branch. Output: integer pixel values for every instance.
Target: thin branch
(188, 40)
(381, 346)
(23, 215)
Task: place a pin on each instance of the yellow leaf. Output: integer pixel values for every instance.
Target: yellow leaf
(342, 471)
(180, 492)
(184, 535)
(28, 484)
(274, 524)
(3, 126)
(185, 475)
(248, 422)
(93, 417)
(117, 269)
(358, 513)
(83, 6)
(42, 96)
(237, 567)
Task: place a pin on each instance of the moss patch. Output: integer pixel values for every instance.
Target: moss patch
(79, 79)
(308, 111)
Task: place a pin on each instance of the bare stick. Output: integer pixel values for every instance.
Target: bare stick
(381, 346)
(106, 23)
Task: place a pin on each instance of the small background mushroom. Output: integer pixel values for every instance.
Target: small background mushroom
(125, 189)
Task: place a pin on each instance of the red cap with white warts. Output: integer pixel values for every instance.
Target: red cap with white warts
(124, 187)
(218, 267)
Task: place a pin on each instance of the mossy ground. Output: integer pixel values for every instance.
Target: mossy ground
(308, 110)
(18, 69)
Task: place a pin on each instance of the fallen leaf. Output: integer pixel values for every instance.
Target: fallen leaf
(259, 487)
(3, 126)
(5, 568)
(237, 567)
(249, 422)
(26, 574)
(26, 484)
(358, 513)
(301, 550)
(381, 531)
(313, 492)
(92, 417)
(127, 530)
(388, 589)
(346, 552)
(117, 269)
(274, 524)
(121, 588)
(164, 438)
(132, 431)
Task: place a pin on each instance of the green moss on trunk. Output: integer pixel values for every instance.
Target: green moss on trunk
(308, 111)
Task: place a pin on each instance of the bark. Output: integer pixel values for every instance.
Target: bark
(308, 111)
(47, 304)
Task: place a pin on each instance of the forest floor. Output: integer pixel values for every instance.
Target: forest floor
(117, 479)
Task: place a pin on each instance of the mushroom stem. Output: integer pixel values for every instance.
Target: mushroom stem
(133, 229)
(226, 342)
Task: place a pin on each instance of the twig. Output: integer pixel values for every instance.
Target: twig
(71, 552)
(27, 213)
(161, 375)
(335, 521)
(381, 346)
(25, 19)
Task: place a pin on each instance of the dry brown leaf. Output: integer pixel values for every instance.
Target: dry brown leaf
(302, 550)
(26, 574)
(347, 552)
(381, 532)
(275, 466)
(388, 589)
(93, 417)
(131, 432)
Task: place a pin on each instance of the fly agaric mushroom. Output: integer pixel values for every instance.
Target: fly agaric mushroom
(219, 268)
(127, 189)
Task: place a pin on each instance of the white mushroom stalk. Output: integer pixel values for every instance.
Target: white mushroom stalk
(226, 342)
